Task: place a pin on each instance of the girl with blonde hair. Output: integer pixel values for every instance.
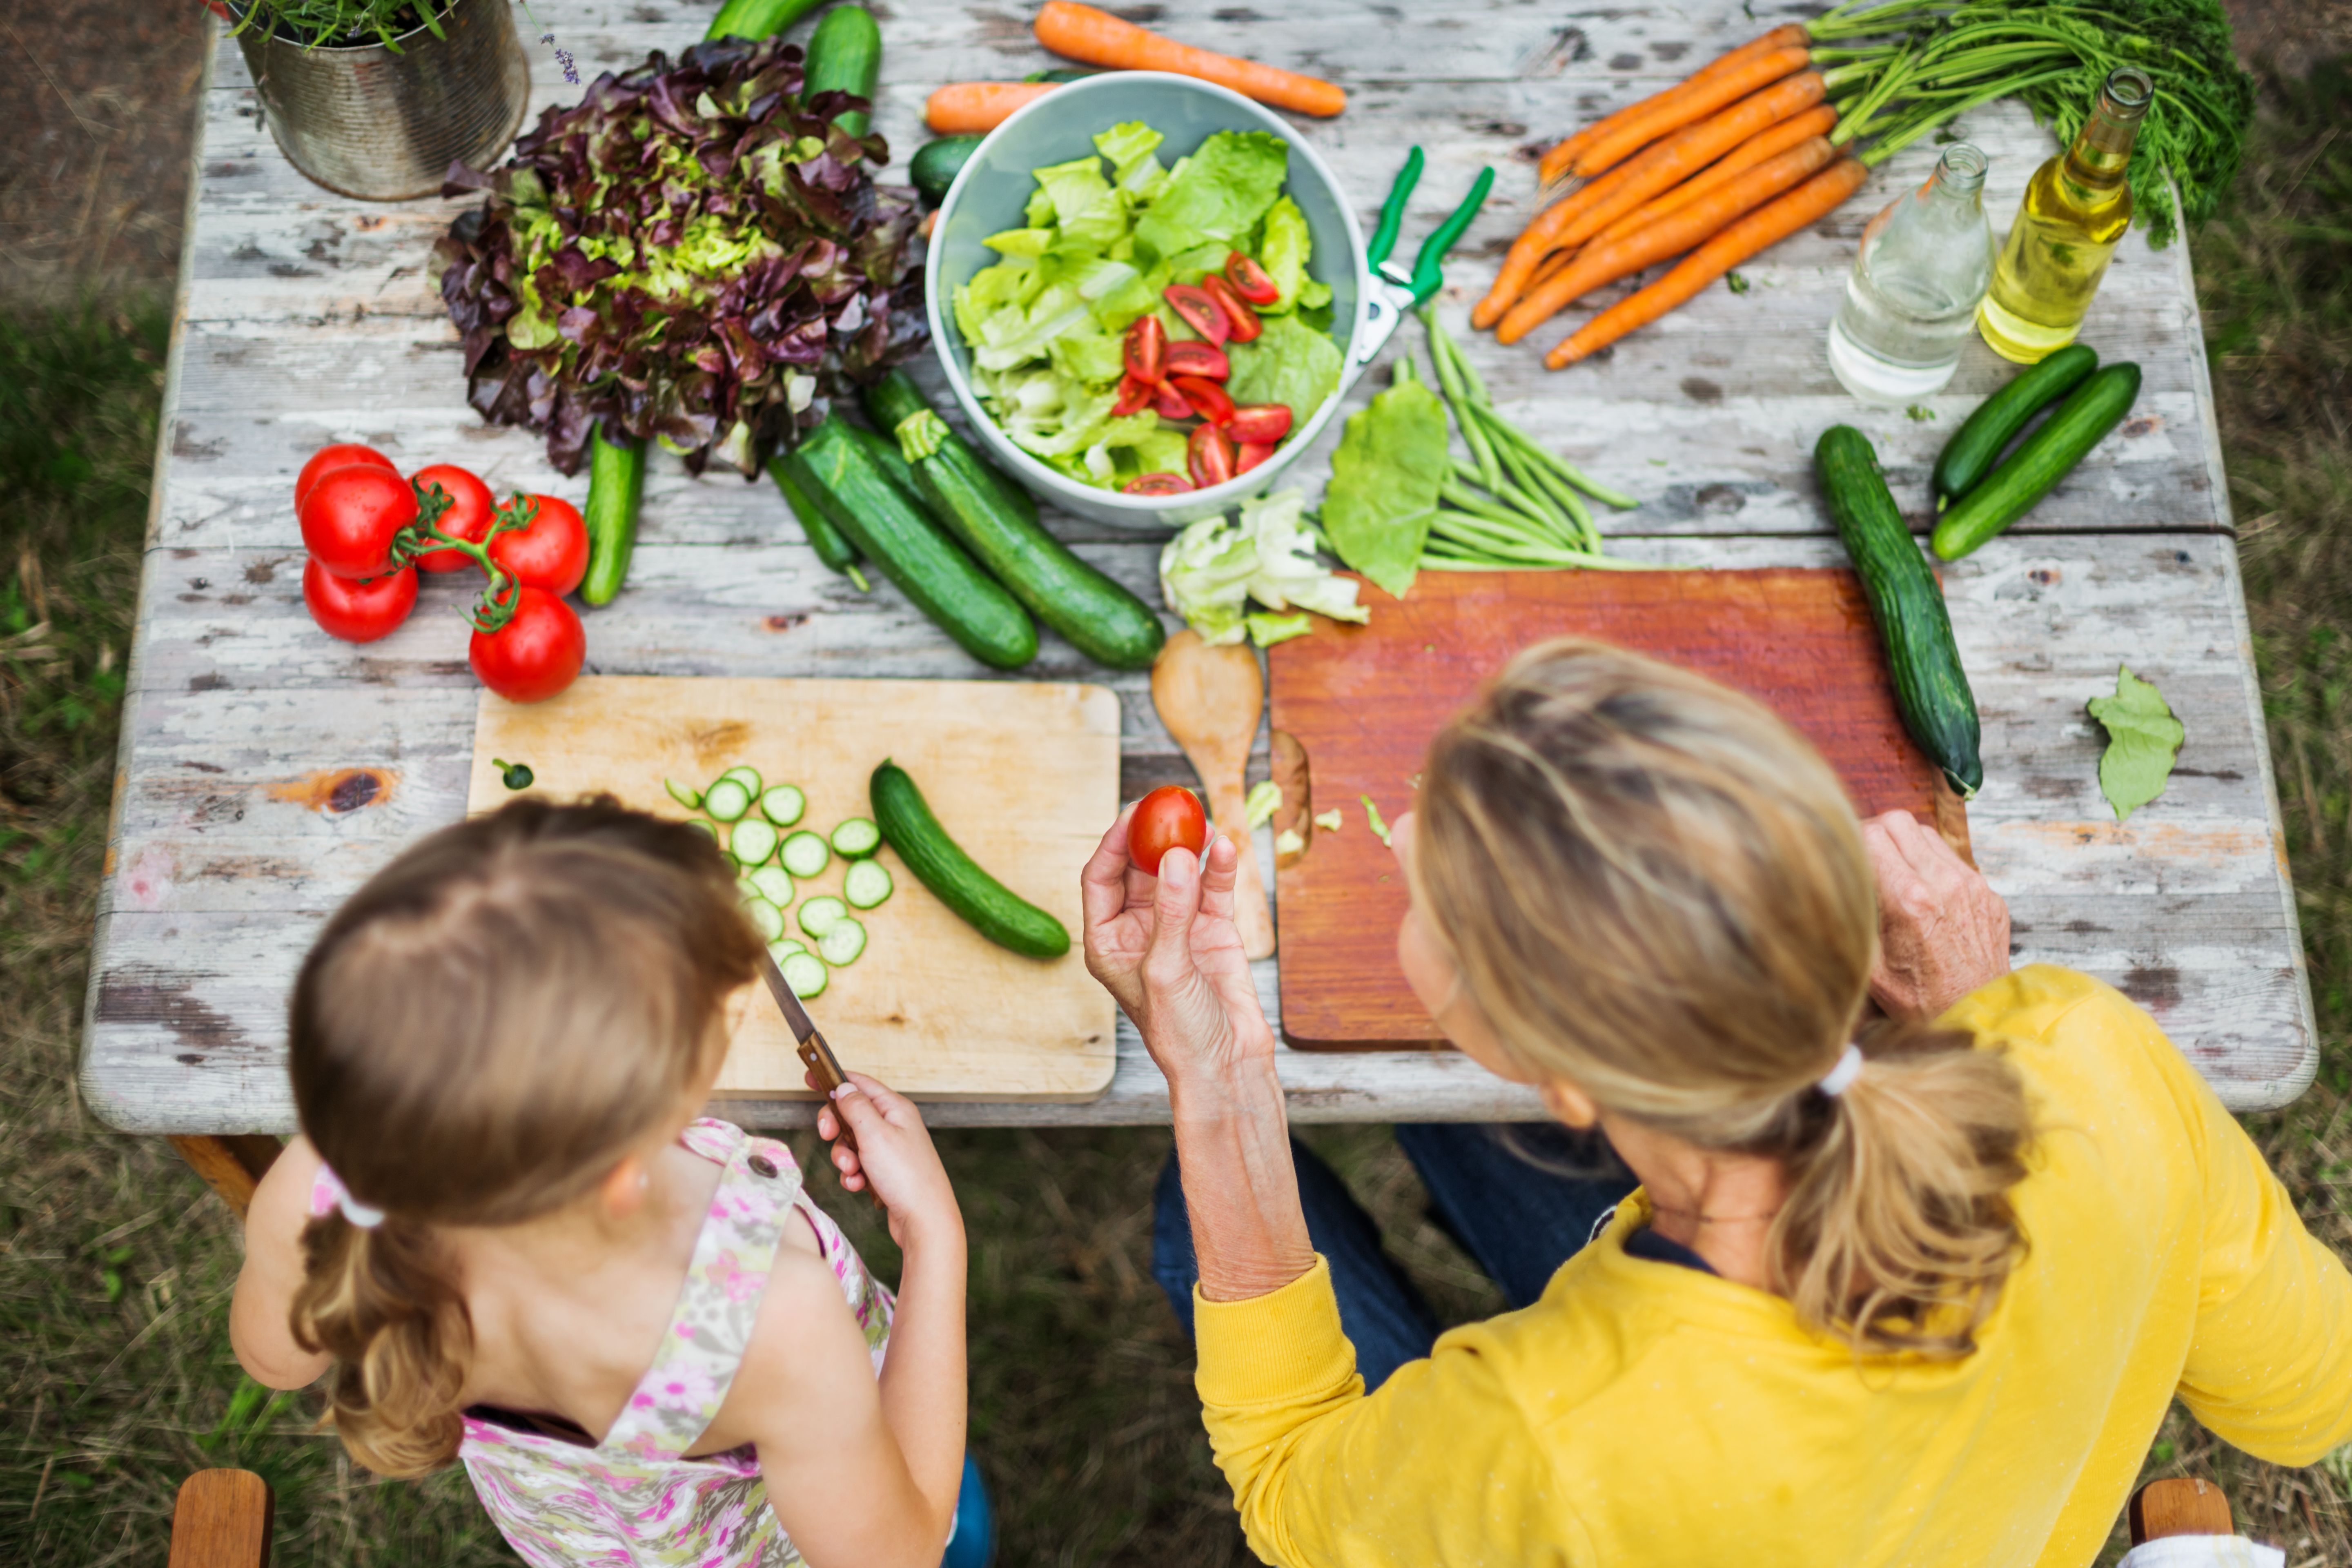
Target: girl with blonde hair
(510, 1239)
(1908, 1289)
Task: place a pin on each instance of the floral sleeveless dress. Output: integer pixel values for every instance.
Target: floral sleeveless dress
(633, 1502)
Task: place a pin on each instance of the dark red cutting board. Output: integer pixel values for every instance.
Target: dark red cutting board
(1364, 702)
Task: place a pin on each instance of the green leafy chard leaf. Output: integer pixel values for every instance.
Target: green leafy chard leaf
(2143, 739)
(1385, 481)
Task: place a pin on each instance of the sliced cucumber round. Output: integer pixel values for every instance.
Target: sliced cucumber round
(747, 889)
(751, 842)
(727, 799)
(806, 974)
(843, 940)
(856, 838)
(772, 883)
(766, 919)
(805, 854)
(784, 947)
(745, 774)
(704, 828)
(866, 884)
(685, 795)
(783, 805)
(819, 914)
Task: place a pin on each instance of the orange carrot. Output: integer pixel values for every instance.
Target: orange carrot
(1556, 162)
(977, 107)
(1818, 121)
(1766, 226)
(1603, 262)
(1691, 107)
(1540, 238)
(1099, 38)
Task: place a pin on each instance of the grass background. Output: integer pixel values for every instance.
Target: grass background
(116, 1378)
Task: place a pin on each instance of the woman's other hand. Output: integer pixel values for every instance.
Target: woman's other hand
(1942, 931)
(894, 1159)
(1167, 949)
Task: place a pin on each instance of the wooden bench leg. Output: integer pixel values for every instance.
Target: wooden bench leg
(2178, 1506)
(233, 1163)
(222, 1520)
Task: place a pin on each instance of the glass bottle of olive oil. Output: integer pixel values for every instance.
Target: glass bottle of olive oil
(2076, 208)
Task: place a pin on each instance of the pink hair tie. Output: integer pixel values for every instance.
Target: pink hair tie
(328, 1192)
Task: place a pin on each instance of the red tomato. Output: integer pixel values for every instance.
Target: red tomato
(1199, 359)
(1250, 280)
(1170, 402)
(1250, 453)
(468, 516)
(1210, 454)
(550, 551)
(1157, 485)
(533, 656)
(1206, 397)
(355, 611)
(1265, 422)
(339, 455)
(1134, 396)
(1201, 311)
(350, 516)
(1241, 321)
(1167, 818)
(1146, 340)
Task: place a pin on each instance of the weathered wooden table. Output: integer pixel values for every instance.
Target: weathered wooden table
(266, 770)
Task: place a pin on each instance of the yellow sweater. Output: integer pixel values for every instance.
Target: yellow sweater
(1643, 1413)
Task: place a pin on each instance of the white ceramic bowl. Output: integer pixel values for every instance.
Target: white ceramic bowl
(993, 187)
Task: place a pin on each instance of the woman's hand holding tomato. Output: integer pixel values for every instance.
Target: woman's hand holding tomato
(549, 552)
(1169, 817)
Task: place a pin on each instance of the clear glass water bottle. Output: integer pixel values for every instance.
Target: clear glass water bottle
(1911, 301)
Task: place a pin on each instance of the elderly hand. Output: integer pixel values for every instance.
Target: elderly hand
(1166, 947)
(1942, 931)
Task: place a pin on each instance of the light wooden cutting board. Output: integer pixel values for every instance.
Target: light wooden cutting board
(1023, 774)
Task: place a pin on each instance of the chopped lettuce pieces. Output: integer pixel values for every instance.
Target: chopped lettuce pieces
(1211, 572)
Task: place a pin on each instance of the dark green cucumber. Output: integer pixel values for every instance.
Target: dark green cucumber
(937, 162)
(894, 463)
(1099, 618)
(1931, 689)
(758, 18)
(617, 483)
(898, 537)
(940, 863)
(2041, 460)
(831, 546)
(1976, 445)
(844, 54)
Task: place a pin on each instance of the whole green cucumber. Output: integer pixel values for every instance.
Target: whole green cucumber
(937, 162)
(617, 483)
(1974, 447)
(1099, 618)
(2045, 458)
(758, 18)
(831, 547)
(1931, 689)
(844, 54)
(895, 534)
(940, 863)
(891, 399)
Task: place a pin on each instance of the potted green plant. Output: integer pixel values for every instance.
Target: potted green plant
(376, 98)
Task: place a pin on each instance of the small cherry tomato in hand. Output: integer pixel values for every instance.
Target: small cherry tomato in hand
(358, 611)
(468, 517)
(328, 458)
(1169, 817)
(1250, 280)
(1241, 321)
(550, 551)
(1199, 359)
(1209, 456)
(1146, 340)
(1201, 311)
(350, 516)
(535, 655)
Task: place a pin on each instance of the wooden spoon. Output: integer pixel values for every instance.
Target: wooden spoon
(1211, 699)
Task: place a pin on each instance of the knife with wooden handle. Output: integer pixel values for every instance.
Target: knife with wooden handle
(813, 1052)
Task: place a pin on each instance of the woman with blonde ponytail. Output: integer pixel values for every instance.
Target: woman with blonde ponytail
(508, 1238)
(1914, 1252)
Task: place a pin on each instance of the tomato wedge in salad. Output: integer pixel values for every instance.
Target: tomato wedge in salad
(1209, 456)
(1205, 397)
(1262, 422)
(1200, 311)
(1161, 484)
(1198, 359)
(1241, 324)
(1248, 454)
(1250, 280)
(1147, 347)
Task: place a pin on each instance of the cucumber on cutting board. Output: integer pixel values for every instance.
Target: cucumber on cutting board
(898, 537)
(844, 54)
(1931, 689)
(1099, 618)
(940, 863)
(1977, 444)
(2045, 458)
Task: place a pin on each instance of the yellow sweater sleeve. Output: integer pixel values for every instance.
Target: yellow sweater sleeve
(1436, 1467)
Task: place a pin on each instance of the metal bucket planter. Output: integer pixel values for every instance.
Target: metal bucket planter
(386, 125)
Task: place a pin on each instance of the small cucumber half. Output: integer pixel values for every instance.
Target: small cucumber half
(752, 842)
(1969, 455)
(818, 914)
(772, 883)
(783, 805)
(940, 863)
(784, 947)
(685, 795)
(745, 774)
(856, 838)
(805, 854)
(765, 917)
(866, 884)
(806, 974)
(2041, 460)
(843, 940)
(727, 799)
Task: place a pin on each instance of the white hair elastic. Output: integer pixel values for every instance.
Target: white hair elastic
(328, 1190)
(1840, 1078)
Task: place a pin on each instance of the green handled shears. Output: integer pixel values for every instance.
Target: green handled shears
(1396, 291)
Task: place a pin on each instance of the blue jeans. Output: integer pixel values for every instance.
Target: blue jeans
(1518, 1218)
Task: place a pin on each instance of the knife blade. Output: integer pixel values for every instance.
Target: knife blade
(813, 1052)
